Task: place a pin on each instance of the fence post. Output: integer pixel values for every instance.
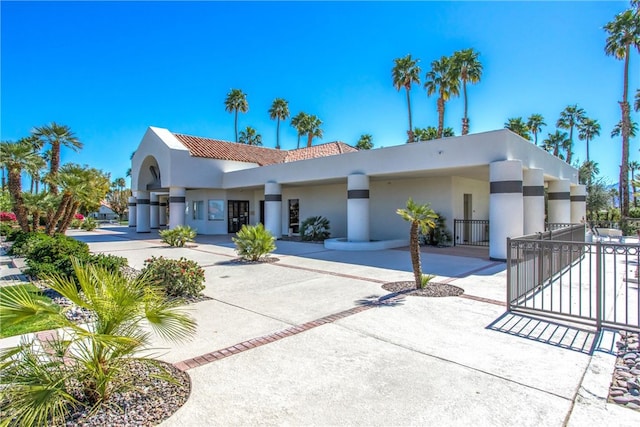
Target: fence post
(455, 231)
(509, 273)
(599, 308)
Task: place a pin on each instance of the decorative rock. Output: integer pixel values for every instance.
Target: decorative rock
(621, 383)
(623, 400)
(625, 383)
(629, 356)
(632, 392)
(632, 406)
(616, 393)
(624, 374)
(635, 371)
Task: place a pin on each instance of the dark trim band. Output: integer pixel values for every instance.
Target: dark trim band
(155, 203)
(273, 197)
(132, 204)
(533, 190)
(143, 201)
(132, 225)
(358, 194)
(560, 196)
(177, 199)
(498, 187)
(578, 198)
(163, 204)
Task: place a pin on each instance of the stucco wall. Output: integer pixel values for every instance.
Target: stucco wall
(329, 201)
(205, 226)
(479, 191)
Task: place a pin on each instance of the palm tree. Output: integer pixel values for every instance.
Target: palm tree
(587, 172)
(16, 157)
(56, 136)
(636, 104)
(570, 117)
(405, 73)
(38, 384)
(36, 205)
(297, 122)
(279, 111)
(518, 126)
(535, 123)
(554, 141)
(422, 219)
(587, 130)
(236, 101)
(250, 136)
(467, 68)
(364, 143)
(634, 166)
(442, 80)
(311, 126)
(617, 129)
(623, 35)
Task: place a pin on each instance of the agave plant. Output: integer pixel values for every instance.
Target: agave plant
(84, 365)
(315, 228)
(253, 242)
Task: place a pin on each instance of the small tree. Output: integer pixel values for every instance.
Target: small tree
(365, 143)
(422, 219)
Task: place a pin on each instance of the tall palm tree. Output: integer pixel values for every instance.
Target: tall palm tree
(279, 111)
(518, 126)
(56, 136)
(634, 166)
(16, 157)
(250, 136)
(554, 141)
(535, 123)
(442, 80)
(617, 129)
(624, 35)
(236, 101)
(422, 218)
(298, 122)
(587, 172)
(569, 118)
(405, 73)
(365, 142)
(636, 103)
(587, 130)
(311, 125)
(467, 68)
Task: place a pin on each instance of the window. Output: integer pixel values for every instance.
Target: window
(198, 209)
(216, 211)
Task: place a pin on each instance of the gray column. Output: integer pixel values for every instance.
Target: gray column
(142, 212)
(132, 211)
(578, 198)
(177, 204)
(358, 208)
(506, 217)
(533, 200)
(559, 202)
(153, 211)
(273, 208)
(162, 211)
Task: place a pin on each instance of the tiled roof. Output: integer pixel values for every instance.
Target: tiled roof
(225, 150)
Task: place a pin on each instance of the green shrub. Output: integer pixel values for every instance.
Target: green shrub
(439, 235)
(178, 236)
(53, 255)
(634, 212)
(111, 263)
(315, 228)
(178, 278)
(24, 243)
(76, 223)
(254, 242)
(89, 224)
(9, 231)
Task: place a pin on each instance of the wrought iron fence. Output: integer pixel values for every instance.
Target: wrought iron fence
(560, 275)
(471, 232)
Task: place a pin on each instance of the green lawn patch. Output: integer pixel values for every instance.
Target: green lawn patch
(27, 326)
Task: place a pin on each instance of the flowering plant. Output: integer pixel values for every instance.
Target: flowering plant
(79, 217)
(7, 217)
(179, 278)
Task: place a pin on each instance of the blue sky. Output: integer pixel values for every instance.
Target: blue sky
(111, 69)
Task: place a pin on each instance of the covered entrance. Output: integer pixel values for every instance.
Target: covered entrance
(238, 214)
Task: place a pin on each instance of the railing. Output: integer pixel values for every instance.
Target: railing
(471, 232)
(560, 275)
(551, 226)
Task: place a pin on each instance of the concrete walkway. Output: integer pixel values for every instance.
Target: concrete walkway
(306, 341)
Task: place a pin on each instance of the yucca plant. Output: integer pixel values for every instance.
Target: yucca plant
(84, 365)
(178, 236)
(253, 242)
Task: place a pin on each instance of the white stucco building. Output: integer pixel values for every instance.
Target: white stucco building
(216, 186)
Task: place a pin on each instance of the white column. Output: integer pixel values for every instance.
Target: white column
(506, 214)
(142, 212)
(559, 201)
(358, 208)
(578, 199)
(162, 211)
(153, 211)
(177, 203)
(273, 208)
(533, 200)
(132, 211)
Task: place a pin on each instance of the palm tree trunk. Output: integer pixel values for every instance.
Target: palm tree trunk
(410, 132)
(570, 148)
(556, 149)
(298, 146)
(55, 165)
(35, 222)
(55, 218)
(278, 134)
(414, 248)
(587, 140)
(235, 124)
(440, 117)
(15, 189)
(624, 167)
(465, 119)
(309, 139)
(71, 210)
